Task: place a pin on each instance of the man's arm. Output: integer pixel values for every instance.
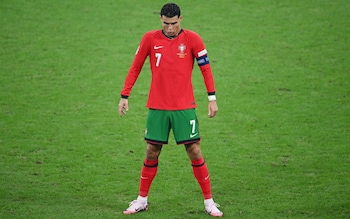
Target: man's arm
(135, 69)
(204, 65)
(133, 73)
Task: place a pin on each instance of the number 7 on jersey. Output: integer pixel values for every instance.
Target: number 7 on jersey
(158, 56)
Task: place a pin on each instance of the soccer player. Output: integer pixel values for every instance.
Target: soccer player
(171, 102)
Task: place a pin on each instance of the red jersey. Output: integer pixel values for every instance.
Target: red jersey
(171, 63)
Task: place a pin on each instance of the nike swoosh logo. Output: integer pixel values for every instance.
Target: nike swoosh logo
(206, 178)
(193, 135)
(157, 47)
(142, 177)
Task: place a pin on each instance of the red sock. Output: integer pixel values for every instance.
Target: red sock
(200, 171)
(148, 172)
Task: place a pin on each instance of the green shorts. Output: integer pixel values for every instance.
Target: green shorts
(184, 124)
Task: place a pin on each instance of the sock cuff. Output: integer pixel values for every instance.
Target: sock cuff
(150, 163)
(198, 163)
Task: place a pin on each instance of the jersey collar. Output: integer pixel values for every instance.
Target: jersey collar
(172, 37)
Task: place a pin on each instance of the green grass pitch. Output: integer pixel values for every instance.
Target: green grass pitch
(278, 148)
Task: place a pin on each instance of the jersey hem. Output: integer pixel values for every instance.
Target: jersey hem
(171, 109)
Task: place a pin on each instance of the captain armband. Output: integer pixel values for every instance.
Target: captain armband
(203, 60)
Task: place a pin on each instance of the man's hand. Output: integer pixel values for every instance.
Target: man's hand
(212, 108)
(123, 106)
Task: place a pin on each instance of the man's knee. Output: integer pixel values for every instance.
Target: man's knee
(193, 151)
(153, 151)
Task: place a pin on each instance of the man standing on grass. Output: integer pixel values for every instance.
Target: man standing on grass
(171, 103)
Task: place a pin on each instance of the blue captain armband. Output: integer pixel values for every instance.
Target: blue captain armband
(203, 60)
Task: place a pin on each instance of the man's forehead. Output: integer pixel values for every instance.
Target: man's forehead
(169, 19)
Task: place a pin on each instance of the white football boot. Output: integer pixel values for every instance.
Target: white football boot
(212, 209)
(136, 206)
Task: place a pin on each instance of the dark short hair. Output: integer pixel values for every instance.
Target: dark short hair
(170, 10)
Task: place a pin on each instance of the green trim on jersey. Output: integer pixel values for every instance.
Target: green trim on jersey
(184, 124)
